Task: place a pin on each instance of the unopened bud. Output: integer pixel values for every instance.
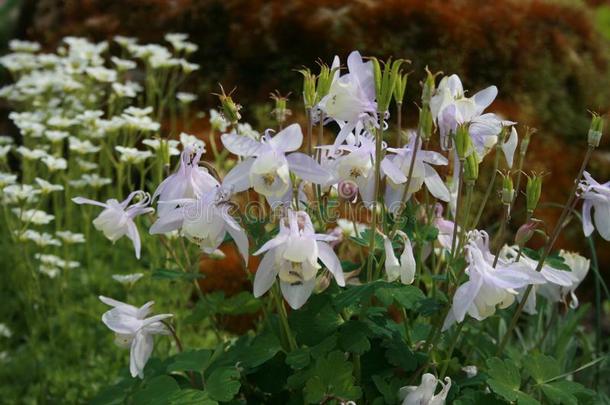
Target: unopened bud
(533, 189)
(595, 130)
(463, 143)
(281, 111)
(508, 192)
(428, 87)
(309, 88)
(425, 123)
(230, 109)
(471, 168)
(526, 231)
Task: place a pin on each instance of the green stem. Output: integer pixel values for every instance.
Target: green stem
(373, 229)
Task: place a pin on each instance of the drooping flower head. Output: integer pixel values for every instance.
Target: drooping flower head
(134, 330)
(595, 196)
(293, 257)
(116, 220)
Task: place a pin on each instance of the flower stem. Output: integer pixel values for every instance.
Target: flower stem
(568, 207)
(403, 200)
(490, 187)
(373, 229)
(281, 310)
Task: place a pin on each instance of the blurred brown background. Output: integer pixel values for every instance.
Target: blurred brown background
(549, 58)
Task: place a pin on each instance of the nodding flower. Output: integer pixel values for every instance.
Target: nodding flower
(292, 255)
(117, 218)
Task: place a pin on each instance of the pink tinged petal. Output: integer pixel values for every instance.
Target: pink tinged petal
(587, 223)
(289, 139)
(132, 233)
(307, 168)
(297, 294)
(510, 146)
(265, 274)
(393, 171)
(240, 145)
(366, 187)
(141, 349)
(153, 320)
(559, 277)
(239, 236)
(435, 184)
(301, 248)
(168, 222)
(144, 310)
(82, 200)
(454, 84)
(346, 129)
(363, 71)
(601, 216)
(328, 257)
(434, 158)
(485, 97)
(238, 179)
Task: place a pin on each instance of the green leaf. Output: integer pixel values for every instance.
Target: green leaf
(168, 274)
(505, 379)
(157, 391)
(399, 354)
(217, 304)
(298, 358)
(541, 367)
(262, 348)
(565, 392)
(190, 396)
(223, 384)
(192, 360)
(332, 376)
(364, 239)
(353, 337)
(315, 321)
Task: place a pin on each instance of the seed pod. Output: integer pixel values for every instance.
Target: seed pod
(533, 189)
(463, 143)
(508, 192)
(471, 168)
(309, 88)
(595, 130)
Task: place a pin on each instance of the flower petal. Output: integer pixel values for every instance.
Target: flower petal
(327, 255)
(297, 294)
(265, 274)
(289, 139)
(307, 168)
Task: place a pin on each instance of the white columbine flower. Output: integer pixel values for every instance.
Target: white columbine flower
(134, 330)
(267, 167)
(595, 196)
(205, 221)
(424, 393)
(487, 287)
(293, 256)
(116, 220)
(351, 97)
(189, 181)
(218, 121)
(396, 167)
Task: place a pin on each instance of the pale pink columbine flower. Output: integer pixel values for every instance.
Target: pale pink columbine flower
(205, 221)
(423, 394)
(552, 279)
(595, 196)
(267, 167)
(293, 256)
(397, 165)
(351, 97)
(445, 227)
(134, 330)
(189, 181)
(487, 287)
(116, 220)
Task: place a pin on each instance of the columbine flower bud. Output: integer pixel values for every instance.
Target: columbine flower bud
(428, 87)
(385, 81)
(230, 108)
(526, 231)
(471, 168)
(399, 88)
(281, 111)
(508, 192)
(425, 123)
(463, 143)
(325, 79)
(595, 130)
(309, 88)
(532, 192)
